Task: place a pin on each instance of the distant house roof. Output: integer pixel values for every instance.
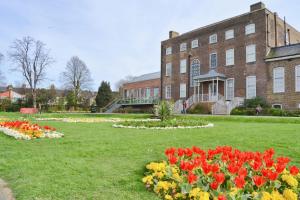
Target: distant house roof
(284, 52)
(145, 77)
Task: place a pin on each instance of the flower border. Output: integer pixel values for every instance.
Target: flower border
(210, 125)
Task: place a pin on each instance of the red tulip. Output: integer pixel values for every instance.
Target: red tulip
(294, 170)
(239, 182)
(192, 178)
(222, 197)
(220, 177)
(214, 185)
(172, 160)
(259, 181)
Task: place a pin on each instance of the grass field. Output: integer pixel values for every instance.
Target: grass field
(96, 161)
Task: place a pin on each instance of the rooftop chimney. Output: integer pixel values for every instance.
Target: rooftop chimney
(173, 34)
(257, 6)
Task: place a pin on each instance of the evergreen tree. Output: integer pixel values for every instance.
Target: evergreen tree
(104, 95)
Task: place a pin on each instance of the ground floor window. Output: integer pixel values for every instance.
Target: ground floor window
(278, 80)
(230, 89)
(182, 90)
(168, 92)
(156, 92)
(278, 106)
(250, 87)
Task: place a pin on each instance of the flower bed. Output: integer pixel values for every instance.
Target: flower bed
(25, 130)
(166, 124)
(222, 173)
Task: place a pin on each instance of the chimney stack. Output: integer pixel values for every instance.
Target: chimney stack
(257, 6)
(173, 34)
(275, 25)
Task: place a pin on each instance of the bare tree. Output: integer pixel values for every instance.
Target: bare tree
(76, 76)
(121, 82)
(32, 59)
(2, 78)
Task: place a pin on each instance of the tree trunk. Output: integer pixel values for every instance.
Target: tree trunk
(34, 98)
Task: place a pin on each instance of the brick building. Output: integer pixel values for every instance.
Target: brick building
(144, 86)
(225, 62)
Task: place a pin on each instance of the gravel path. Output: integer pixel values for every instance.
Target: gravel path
(5, 192)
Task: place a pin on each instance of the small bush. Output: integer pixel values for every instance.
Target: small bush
(253, 103)
(200, 109)
(164, 110)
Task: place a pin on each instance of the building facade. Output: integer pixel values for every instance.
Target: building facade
(142, 87)
(224, 61)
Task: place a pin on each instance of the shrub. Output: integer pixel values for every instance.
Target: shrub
(252, 103)
(200, 109)
(163, 110)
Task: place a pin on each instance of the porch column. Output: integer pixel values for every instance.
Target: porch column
(213, 88)
(198, 87)
(202, 91)
(194, 95)
(217, 88)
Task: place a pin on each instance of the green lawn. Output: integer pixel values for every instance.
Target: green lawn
(96, 161)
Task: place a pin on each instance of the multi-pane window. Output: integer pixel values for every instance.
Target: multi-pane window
(183, 47)
(250, 87)
(249, 29)
(182, 90)
(229, 57)
(250, 53)
(213, 39)
(229, 34)
(168, 92)
(168, 69)
(156, 92)
(195, 43)
(213, 60)
(183, 66)
(169, 51)
(278, 79)
(148, 92)
(230, 89)
(194, 71)
(297, 78)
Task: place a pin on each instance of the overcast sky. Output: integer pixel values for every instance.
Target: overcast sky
(114, 38)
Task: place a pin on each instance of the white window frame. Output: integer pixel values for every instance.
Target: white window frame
(248, 94)
(168, 92)
(183, 64)
(210, 63)
(277, 104)
(148, 92)
(195, 43)
(213, 38)
(229, 57)
(297, 78)
(169, 69)
(229, 34)
(183, 47)
(278, 87)
(182, 90)
(168, 50)
(156, 90)
(251, 53)
(227, 80)
(249, 29)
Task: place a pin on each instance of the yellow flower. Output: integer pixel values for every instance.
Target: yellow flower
(204, 195)
(194, 193)
(177, 177)
(277, 196)
(148, 179)
(233, 191)
(164, 185)
(178, 196)
(168, 197)
(159, 174)
(289, 194)
(290, 180)
(266, 196)
(173, 185)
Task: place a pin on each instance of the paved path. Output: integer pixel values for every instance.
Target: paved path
(5, 192)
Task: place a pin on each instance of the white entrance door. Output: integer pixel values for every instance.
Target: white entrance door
(212, 92)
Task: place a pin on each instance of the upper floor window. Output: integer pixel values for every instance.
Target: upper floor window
(249, 29)
(168, 92)
(229, 34)
(250, 53)
(168, 69)
(194, 71)
(297, 78)
(156, 92)
(229, 57)
(195, 43)
(183, 66)
(183, 47)
(182, 91)
(169, 51)
(213, 39)
(213, 60)
(250, 87)
(278, 80)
